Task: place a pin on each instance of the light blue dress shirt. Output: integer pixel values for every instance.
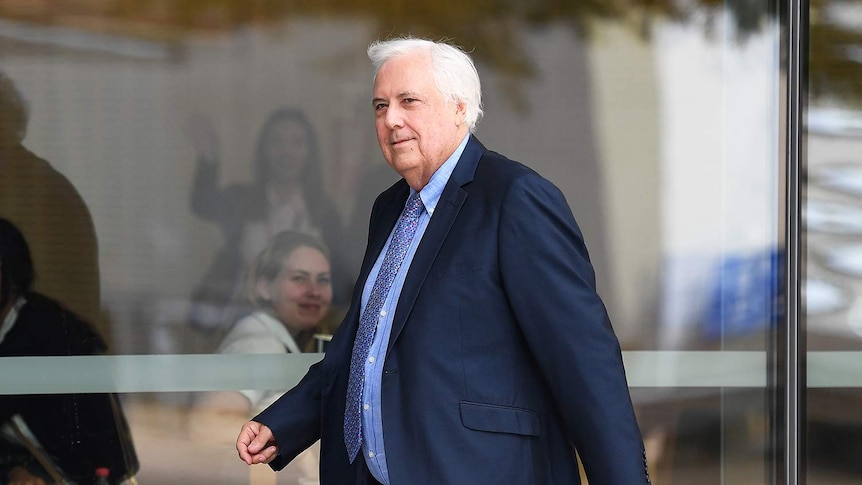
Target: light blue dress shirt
(372, 419)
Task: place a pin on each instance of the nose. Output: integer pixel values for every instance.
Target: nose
(315, 289)
(393, 118)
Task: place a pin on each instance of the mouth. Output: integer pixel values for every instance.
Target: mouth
(310, 307)
(400, 142)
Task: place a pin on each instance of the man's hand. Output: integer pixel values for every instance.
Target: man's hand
(256, 444)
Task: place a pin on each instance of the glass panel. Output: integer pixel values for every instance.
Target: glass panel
(165, 123)
(833, 286)
(719, 245)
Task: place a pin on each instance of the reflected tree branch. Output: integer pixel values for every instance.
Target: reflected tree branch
(488, 28)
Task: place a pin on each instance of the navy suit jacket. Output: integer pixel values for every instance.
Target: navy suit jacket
(502, 360)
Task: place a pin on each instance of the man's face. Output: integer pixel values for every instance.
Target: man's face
(416, 127)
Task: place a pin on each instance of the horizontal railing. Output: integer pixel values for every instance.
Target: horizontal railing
(179, 373)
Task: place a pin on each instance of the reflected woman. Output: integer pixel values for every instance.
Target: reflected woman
(290, 286)
(286, 194)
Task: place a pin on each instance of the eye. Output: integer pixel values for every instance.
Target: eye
(379, 106)
(410, 100)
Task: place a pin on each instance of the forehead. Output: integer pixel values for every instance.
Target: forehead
(411, 71)
(286, 126)
(306, 258)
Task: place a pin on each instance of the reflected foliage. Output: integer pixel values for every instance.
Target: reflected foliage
(487, 27)
(834, 54)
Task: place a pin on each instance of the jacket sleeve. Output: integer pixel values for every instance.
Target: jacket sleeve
(295, 418)
(550, 283)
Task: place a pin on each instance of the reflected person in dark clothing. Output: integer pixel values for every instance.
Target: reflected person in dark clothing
(52, 438)
(286, 193)
(50, 213)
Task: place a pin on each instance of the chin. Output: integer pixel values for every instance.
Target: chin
(305, 326)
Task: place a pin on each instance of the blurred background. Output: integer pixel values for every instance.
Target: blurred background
(194, 130)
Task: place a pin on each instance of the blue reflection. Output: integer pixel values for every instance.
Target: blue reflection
(744, 295)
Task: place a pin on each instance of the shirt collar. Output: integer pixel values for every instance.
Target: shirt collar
(11, 317)
(281, 332)
(430, 194)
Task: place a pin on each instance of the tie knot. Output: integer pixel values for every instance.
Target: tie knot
(414, 206)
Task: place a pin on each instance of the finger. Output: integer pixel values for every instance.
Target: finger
(263, 439)
(246, 436)
(267, 455)
(244, 455)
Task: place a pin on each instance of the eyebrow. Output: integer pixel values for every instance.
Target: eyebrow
(304, 272)
(402, 95)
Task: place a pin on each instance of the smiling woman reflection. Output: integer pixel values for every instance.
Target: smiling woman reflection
(286, 194)
(289, 285)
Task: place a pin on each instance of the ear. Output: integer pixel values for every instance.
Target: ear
(460, 112)
(262, 289)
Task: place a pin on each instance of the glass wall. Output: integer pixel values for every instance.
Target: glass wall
(832, 283)
(168, 142)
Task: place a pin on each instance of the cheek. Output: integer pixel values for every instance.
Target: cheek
(326, 295)
(287, 295)
(299, 152)
(273, 152)
(284, 309)
(382, 133)
(284, 313)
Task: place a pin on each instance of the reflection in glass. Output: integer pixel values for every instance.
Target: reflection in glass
(834, 241)
(56, 438)
(286, 193)
(834, 217)
(49, 210)
(842, 258)
(846, 178)
(824, 297)
(833, 121)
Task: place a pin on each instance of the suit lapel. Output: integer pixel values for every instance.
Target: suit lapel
(390, 205)
(441, 222)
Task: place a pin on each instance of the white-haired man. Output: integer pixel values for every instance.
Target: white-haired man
(476, 349)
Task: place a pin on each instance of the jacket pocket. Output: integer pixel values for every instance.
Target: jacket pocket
(458, 269)
(500, 419)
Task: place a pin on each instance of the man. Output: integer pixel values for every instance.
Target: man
(48, 209)
(476, 349)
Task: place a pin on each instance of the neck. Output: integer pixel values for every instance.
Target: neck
(301, 338)
(420, 178)
(284, 191)
(418, 181)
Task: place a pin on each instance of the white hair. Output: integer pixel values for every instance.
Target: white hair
(454, 72)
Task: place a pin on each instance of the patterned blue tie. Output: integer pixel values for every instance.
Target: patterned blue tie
(404, 232)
